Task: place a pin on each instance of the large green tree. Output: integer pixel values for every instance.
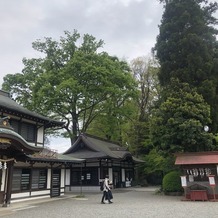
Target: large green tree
(187, 48)
(72, 82)
(113, 124)
(144, 70)
(178, 124)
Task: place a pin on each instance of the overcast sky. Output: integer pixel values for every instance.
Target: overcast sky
(128, 27)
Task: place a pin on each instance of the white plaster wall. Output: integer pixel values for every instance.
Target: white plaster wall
(62, 177)
(40, 134)
(43, 192)
(20, 195)
(67, 177)
(110, 173)
(49, 179)
(123, 175)
(62, 190)
(28, 199)
(3, 180)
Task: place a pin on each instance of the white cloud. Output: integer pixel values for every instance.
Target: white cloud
(128, 27)
(59, 144)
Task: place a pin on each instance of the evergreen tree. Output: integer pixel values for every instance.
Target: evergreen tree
(187, 48)
(178, 124)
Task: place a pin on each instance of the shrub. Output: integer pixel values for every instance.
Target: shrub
(172, 182)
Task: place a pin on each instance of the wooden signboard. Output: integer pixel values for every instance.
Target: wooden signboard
(183, 181)
(212, 180)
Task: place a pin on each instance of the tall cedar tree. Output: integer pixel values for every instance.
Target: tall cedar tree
(187, 48)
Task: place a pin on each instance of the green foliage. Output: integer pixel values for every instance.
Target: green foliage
(177, 125)
(112, 123)
(172, 182)
(157, 161)
(187, 48)
(186, 42)
(216, 138)
(138, 138)
(75, 84)
(136, 131)
(130, 126)
(145, 71)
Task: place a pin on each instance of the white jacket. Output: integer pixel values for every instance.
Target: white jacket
(106, 185)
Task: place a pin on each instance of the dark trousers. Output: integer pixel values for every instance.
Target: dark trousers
(105, 196)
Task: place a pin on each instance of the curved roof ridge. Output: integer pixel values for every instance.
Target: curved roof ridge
(8, 104)
(12, 135)
(102, 139)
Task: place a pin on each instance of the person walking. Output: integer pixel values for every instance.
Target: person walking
(106, 190)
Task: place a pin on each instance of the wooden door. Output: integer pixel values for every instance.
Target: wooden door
(55, 183)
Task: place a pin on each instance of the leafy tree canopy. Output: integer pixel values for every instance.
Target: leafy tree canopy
(144, 70)
(177, 125)
(72, 82)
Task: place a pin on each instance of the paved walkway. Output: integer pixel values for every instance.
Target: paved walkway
(128, 203)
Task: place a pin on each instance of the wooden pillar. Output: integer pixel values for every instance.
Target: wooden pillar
(51, 182)
(100, 167)
(31, 176)
(8, 187)
(81, 180)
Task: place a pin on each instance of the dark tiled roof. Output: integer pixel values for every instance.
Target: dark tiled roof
(58, 158)
(34, 153)
(85, 154)
(9, 106)
(98, 148)
(20, 142)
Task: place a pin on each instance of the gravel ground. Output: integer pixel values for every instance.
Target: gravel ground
(128, 203)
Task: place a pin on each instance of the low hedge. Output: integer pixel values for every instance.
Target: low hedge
(172, 182)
